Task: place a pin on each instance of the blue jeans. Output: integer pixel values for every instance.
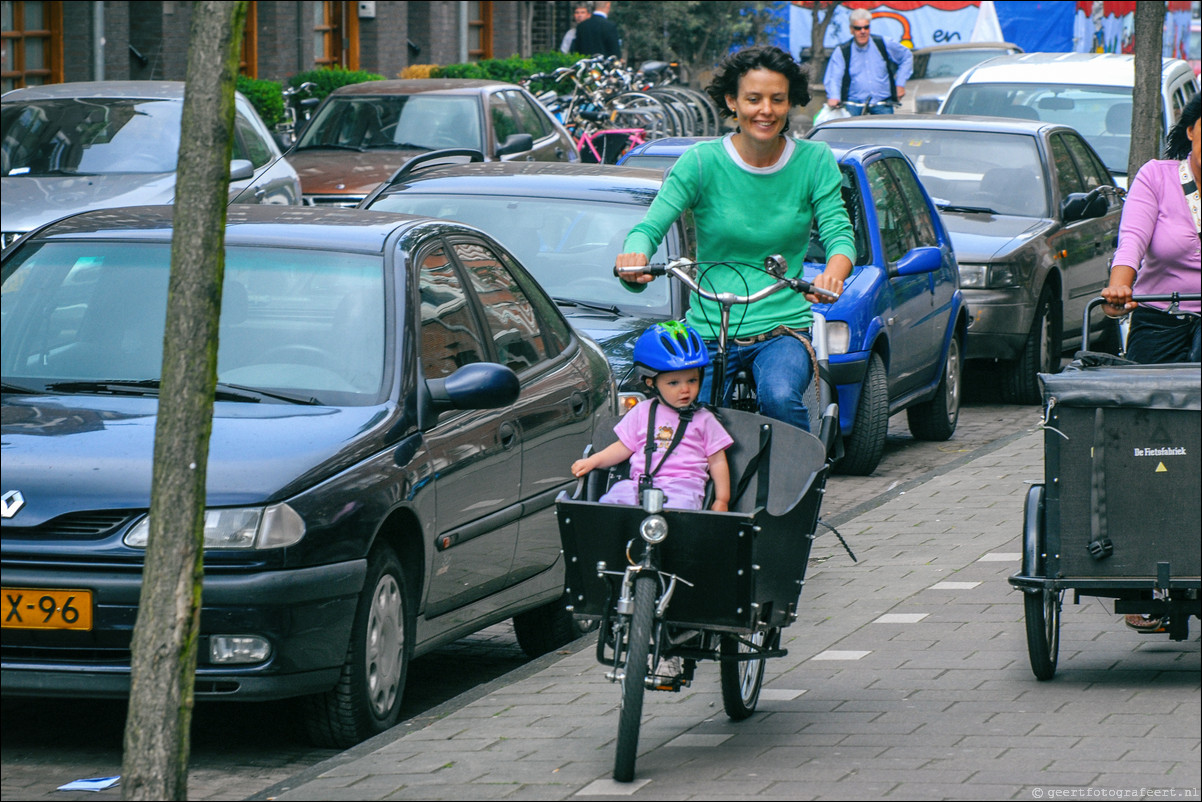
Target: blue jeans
(876, 108)
(782, 372)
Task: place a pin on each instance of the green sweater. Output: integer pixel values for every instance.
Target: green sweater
(745, 214)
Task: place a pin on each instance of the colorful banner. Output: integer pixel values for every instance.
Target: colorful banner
(1057, 26)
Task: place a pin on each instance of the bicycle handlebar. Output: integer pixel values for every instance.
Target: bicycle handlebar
(775, 266)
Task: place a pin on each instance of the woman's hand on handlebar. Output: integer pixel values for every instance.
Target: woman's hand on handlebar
(1118, 300)
(634, 259)
(831, 279)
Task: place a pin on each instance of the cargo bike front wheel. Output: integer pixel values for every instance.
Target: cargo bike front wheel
(638, 648)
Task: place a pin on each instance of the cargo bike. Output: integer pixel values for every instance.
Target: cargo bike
(698, 585)
(1118, 513)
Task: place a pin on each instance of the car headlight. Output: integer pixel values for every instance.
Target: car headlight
(628, 401)
(838, 337)
(242, 528)
(988, 276)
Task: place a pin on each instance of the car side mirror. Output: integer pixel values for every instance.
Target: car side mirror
(1084, 206)
(241, 169)
(516, 143)
(480, 385)
(926, 259)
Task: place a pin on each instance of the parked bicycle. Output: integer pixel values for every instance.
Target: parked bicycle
(699, 584)
(299, 103)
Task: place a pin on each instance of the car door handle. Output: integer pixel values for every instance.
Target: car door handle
(508, 434)
(579, 404)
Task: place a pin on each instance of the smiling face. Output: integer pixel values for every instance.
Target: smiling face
(679, 388)
(762, 106)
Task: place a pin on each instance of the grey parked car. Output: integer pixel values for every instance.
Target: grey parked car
(1034, 218)
(76, 147)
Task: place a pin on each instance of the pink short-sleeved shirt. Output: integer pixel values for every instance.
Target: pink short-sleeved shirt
(687, 467)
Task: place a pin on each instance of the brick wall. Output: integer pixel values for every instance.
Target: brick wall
(383, 41)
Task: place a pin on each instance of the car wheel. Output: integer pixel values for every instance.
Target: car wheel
(862, 449)
(367, 698)
(1040, 354)
(546, 628)
(936, 419)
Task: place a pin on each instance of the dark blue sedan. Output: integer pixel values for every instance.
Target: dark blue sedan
(896, 335)
(375, 487)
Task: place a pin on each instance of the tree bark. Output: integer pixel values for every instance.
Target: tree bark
(157, 729)
(817, 65)
(1147, 134)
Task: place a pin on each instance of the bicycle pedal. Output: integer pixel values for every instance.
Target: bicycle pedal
(672, 685)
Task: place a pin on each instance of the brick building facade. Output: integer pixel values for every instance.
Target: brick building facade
(54, 41)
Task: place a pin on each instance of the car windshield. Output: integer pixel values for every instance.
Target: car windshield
(295, 324)
(963, 169)
(398, 122)
(89, 136)
(951, 63)
(569, 246)
(1101, 114)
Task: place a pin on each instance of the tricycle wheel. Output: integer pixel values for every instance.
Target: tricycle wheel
(742, 680)
(1043, 631)
(638, 647)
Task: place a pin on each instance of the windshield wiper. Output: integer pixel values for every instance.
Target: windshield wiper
(113, 386)
(9, 387)
(951, 207)
(225, 392)
(613, 310)
(240, 392)
(331, 146)
(397, 146)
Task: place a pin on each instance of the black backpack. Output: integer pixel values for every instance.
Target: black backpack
(890, 65)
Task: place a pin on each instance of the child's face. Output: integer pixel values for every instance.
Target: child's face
(679, 387)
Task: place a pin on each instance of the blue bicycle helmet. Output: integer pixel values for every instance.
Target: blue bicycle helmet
(666, 346)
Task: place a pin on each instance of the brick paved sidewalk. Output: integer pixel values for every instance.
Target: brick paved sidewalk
(907, 676)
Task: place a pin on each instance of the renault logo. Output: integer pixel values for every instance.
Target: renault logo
(10, 502)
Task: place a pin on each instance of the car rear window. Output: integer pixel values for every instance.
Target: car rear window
(90, 136)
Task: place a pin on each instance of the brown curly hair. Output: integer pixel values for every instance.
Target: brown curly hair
(738, 64)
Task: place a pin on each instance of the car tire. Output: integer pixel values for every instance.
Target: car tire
(1040, 354)
(862, 449)
(546, 628)
(367, 699)
(936, 419)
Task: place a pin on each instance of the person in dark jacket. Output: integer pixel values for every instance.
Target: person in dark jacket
(597, 36)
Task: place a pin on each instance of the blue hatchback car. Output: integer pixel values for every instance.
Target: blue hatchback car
(896, 336)
(897, 332)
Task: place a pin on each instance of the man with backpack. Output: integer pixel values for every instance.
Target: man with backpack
(867, 74)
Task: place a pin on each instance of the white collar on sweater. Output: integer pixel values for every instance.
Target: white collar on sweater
(733, 152)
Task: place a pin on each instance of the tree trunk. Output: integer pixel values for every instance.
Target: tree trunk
(157, 729)
(1147, 135)
(817, 65)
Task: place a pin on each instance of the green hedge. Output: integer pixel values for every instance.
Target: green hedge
(327, 80)
(513, 69)
(265, 96)
(267, 99)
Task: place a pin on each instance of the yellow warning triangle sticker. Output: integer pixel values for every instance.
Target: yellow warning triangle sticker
(1160, 468)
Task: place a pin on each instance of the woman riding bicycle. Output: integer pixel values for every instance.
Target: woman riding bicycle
(754, 193)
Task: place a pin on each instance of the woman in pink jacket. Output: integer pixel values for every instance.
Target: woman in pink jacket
(1160, 251)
